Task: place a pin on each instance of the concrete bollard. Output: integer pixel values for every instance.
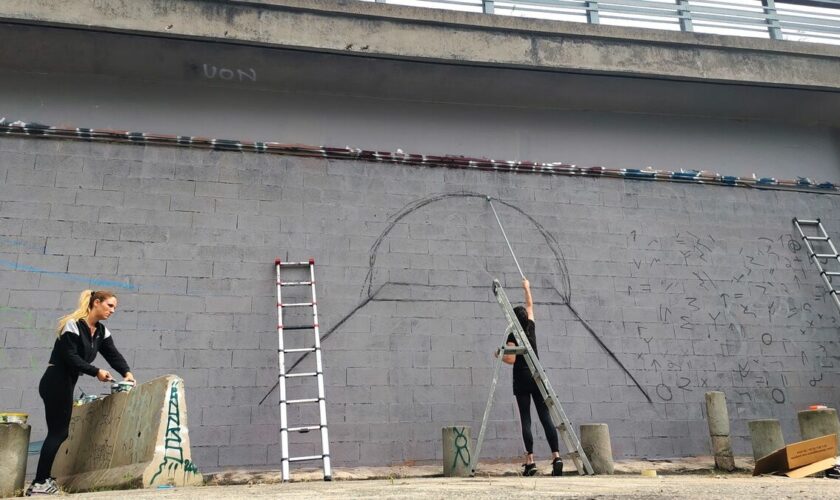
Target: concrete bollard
(456, 452)
(718, 418)
(14, 448)
(595, 441)
(766, 436)
(817, 423)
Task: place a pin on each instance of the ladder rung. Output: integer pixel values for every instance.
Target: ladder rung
(816, 238)
(301, 401)
(296, 375)
(294, 283)
(302, 327)
(298, 349)
(831, 273)
(297, 304)
(811, 222)
(825, 255)
(572, 455)
(304, 428)
(306, 459)
(278, 262)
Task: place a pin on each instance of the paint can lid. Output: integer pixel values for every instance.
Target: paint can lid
(13, 418)
(817, 407)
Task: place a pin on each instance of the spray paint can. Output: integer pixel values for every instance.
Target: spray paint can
(123, 386)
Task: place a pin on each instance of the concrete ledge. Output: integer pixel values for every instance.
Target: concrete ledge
(138, 439)
(377, 30)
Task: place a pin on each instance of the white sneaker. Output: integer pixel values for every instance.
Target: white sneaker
(48, 487)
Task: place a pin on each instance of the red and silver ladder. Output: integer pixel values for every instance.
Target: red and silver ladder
(318, 374)
(830, 256)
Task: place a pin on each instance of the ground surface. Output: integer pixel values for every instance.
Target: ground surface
(683, 478)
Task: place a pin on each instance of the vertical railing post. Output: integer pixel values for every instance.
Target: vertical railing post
(488, 6)
(592, 12)
(772, 19)
(684, 11)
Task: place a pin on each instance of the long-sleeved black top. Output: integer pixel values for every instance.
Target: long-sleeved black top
(75, 349)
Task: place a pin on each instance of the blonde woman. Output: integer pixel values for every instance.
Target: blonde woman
(81, 335)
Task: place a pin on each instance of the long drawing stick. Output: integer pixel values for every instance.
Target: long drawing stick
(490, 201)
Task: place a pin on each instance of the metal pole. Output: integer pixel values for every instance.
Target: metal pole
(490, 201)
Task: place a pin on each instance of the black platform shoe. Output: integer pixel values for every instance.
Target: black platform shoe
(529, 469)
(557, 467)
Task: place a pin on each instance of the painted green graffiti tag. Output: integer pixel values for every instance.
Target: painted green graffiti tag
(173, 456)
(461, 446)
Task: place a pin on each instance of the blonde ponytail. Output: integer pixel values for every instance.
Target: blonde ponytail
(86, 300)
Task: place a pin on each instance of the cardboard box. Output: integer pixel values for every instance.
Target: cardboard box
(800, 459)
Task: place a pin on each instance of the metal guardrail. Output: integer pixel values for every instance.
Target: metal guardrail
(796, 20)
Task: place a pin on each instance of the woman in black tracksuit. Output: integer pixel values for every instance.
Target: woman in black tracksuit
(525, 389)
(81, 335)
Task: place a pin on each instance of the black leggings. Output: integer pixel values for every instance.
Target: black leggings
(56, 389)
(523, 401)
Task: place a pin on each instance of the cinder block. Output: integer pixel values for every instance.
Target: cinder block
(210, 322)
(367, 376)
(30, 177)
(62, 212)
(76, 179)
(185, 268)
(207, 358)
(24, 210)
(156, 358)
(254, 358)
(209, 435)
(141, 267)
(232, 377)
(216, 304)
(99, 198)
(26, 299)
(163, 320)
(67, 246)
(243, 455)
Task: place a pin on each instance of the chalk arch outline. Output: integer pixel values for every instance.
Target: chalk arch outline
(368, 293)
(554, 246)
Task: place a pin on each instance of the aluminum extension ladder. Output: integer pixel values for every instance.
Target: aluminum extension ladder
(318, 374)
(558, 416)
(833, 256)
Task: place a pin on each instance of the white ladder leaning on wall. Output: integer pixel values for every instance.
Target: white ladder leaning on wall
(318, 374)
(831, 267)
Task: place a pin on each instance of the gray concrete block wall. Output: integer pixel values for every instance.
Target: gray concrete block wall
(693, 288)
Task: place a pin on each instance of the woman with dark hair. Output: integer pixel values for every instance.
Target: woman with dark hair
(81, 335)
(525, 388)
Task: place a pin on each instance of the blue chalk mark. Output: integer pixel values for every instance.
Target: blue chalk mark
(67, 276)
(35, 447)
(24, 244)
